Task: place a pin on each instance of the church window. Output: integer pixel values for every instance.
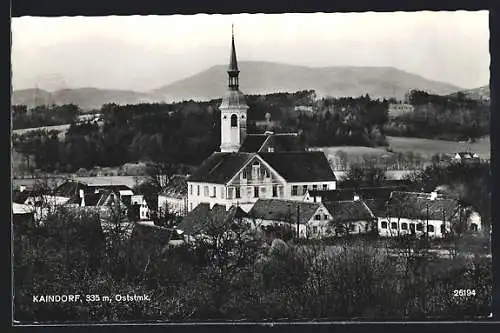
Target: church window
(234, 121)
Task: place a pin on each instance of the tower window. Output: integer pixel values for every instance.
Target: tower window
(234, 121)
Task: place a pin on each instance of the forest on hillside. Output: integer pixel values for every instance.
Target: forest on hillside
(184, 134)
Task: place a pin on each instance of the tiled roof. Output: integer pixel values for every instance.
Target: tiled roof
(283, 210)
(20, 197)
(253, 143)
(285, 142)
(219, 168)
(279, 141)
(347, 211)
(304, 166)
(333, 195)
(414, 205)
(202, 217)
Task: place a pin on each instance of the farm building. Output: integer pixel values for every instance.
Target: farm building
(204, 220)
(465, 157)
(350, 217)
(311, 218)
(418, 214)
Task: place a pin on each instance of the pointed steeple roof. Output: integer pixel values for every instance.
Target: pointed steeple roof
(233, 63)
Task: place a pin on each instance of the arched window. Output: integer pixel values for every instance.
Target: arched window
(234, 121)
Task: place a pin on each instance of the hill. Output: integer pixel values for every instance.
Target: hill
(86, 98)
(267, 77)
(255, 78)
(481, 93)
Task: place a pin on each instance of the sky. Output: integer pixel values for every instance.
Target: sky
(145, 52)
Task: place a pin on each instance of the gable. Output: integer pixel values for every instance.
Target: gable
(249, 168)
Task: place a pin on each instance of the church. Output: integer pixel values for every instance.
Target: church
(250, 167)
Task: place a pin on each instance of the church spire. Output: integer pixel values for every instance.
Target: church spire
(233, 65)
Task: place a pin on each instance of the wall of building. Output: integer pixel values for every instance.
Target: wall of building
(389, 231)
(303, 187)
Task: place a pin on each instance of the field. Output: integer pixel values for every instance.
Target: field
(426, 147)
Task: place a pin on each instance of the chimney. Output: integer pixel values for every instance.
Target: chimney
(82, 196)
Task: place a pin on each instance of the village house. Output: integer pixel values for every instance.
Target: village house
(312, 219)
(466, 157)
(421, 214)
(174, 198)
(204, 221)
(143, 207)
(251, 167)
(350, 217)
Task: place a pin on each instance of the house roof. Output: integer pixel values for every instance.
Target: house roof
(466, 155)
(20, 197)
(279, 141)
(414, 205)
(285, 142)
(377, 206)
(176, 187)
(201, 217)
(219, 168)
(350, 210)
(302, 166)
(68, 189)
(151, 234)
(253, 143)
(333, 195)
(283, 210)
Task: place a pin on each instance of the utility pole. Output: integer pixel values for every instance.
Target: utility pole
(298, 221)
(427, 227)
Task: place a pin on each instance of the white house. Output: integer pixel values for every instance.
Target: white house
(174, 198)
(144, 209)
(419, 214)
(311, 218)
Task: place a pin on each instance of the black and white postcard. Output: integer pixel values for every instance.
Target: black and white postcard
(251, 168)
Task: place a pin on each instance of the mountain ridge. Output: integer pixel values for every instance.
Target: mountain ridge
(256, 77)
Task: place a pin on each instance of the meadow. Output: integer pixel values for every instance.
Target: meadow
(425, 147)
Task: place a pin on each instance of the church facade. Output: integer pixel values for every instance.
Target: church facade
(253, 166)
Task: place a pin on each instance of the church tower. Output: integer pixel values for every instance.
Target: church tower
(233, 109)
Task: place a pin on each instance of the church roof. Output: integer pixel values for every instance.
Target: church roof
(253, 143)
(279, 141)
(219, 168)
(233, 63)
(233, 99)
(305, 166)
(301, 166)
